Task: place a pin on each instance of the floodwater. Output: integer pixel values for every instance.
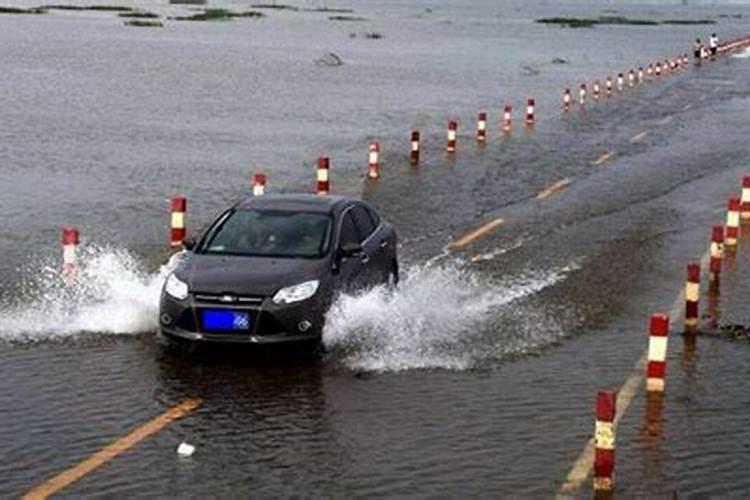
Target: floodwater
(477, 377)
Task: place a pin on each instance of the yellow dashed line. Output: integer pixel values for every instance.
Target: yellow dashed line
(109, 452)
(553, 188)
(603, 159)
(583, 465)
(477, 233)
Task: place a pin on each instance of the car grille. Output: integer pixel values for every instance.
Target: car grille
(228, 299)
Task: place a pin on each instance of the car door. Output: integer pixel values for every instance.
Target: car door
(351, 273)
(374, 269)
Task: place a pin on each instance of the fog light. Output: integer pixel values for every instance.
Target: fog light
(304, 326)
(166, 319)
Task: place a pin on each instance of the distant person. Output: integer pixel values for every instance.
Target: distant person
(697, 48)
(713, 44)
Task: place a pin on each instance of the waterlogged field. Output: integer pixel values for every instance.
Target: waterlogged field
(476, 376)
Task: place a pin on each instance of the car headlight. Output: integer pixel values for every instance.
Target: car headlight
(296, 293)
(176, 288)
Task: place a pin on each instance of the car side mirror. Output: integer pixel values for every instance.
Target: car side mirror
(350, 249)
(189, 243)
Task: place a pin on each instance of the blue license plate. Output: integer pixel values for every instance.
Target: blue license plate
(223, 320)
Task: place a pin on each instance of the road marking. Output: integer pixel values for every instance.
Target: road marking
(553, 188)
(477, 233)
(585, 462)
(687, 106)
(109, 452)
(638, 137)
(603, 158)
(666, 120)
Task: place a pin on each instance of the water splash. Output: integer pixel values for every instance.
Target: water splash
(440, 317)
(113, 294)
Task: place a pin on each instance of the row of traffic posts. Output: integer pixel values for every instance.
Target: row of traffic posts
(178, 203)
(722, 249)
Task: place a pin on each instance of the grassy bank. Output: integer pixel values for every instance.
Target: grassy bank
(18, 10)
(218, 15)
(590, 22)
(140, 23)
(139, 15)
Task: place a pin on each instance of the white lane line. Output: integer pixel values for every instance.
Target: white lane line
(553, 188)
(638, 137)
(603, 158)
(583, 465)
(687, 106)
(666, 120)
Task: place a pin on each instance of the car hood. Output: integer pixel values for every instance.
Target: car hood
(238, 275)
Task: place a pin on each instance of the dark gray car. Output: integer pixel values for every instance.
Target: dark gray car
(267, 269)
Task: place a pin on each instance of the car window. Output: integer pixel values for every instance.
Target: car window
(349, 232)
(270, 233)
(363, 221)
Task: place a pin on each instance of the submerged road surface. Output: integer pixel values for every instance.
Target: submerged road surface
(531, 266)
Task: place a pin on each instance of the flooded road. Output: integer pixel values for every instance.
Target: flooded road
(477, 378)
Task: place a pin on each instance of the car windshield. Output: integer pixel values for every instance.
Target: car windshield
(270, 233)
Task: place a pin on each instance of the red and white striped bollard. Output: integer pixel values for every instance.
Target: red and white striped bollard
(745, 200)
(482, 127)
(259, 184)
(70, 242)
(324, 184)
(595, 91)
(604, 441)
(733, 223)
(178, 207)
(657, 352)
(631, 78)
(451, 144)
(373, 164)
(414, 155)
(609, 86)
(566, 100)
(620, 82)
(717, 254)
(507, 119)
(582, 94)
(692, 297)
(530, 109)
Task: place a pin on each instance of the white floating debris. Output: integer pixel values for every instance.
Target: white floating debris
(185, 449)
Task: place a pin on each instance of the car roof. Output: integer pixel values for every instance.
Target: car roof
(293, 202)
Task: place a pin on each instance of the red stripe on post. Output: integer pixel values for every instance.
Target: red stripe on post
(694, 273)
(178, 204)
(604, 463)
(659, 326)
(656, 369)
(605, 406)
(70, 236)
(691, 310)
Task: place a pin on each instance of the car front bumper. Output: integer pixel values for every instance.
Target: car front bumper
(270, 323)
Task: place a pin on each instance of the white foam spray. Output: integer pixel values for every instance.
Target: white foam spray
(113, 294)
(438, 318)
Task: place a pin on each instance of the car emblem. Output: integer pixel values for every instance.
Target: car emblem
(227, 298)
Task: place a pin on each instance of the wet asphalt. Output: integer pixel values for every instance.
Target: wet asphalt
(498, 400)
